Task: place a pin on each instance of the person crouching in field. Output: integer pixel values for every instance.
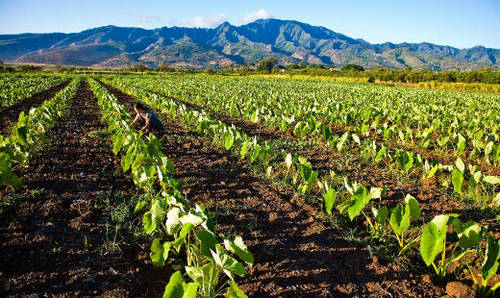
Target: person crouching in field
(150, 118)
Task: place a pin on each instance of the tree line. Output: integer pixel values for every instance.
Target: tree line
(271, 66)
(407, 75)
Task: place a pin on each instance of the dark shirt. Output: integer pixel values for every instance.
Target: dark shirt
(154, 121)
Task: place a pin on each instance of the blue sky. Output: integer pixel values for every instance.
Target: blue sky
(458, 23)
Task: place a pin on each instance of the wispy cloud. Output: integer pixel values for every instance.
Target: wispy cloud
(147, 20)
(205, 22)
(256, 15)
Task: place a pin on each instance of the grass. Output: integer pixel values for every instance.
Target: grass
(100, 133)
(124, 227)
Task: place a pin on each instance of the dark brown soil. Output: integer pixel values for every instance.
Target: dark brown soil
(295, 254)
(268, 134)
(432, 199)
(446, 157)
(10, 115)
(53, 241)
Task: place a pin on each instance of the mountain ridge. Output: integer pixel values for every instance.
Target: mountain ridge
(288, 41)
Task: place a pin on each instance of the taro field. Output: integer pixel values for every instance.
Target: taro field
(256, 186)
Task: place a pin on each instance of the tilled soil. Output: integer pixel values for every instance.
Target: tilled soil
(56, 242)
(10, 115)
(295, 254)
(267, 134)
(432, 199)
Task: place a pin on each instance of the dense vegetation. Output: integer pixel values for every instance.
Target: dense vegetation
(398, 168)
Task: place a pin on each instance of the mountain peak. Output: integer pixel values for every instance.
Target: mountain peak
(289, 41)
(225, 24)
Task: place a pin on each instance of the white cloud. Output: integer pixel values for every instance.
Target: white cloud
(205, 22)
(256, 15)
(149, 21)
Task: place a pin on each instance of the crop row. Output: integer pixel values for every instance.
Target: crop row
(455, 177)
(411, 118)
(347, 197)
(179, 231)
(14, 89)
(29, 133)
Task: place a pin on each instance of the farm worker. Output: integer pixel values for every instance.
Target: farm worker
(150, 118)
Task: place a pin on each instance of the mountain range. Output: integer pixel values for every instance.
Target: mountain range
(287, 41)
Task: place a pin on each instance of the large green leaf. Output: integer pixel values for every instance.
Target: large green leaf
(490, 263)
(496, 200)
(358, 201)
(128, 159)
(207, 242)
(172, 222)
(329, 199)
(457, 178)
(228, 264)
(469, 236)
(118, 141)
(154, 217)
(239, 248)
(432, 239)
(233, 291)
(228, 141)
(157, 253)
(7, 177)
(381, 215)
(380, 154)
(492, 179)
(400, 218)
(177, 287)
(460, 165)
(415, 210)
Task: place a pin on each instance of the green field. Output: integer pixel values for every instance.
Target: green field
(264, 185)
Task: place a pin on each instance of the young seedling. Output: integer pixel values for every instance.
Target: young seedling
(400, 220)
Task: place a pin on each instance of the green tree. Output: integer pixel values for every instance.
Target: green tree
(137, 67)
(352, 67)
(302, 64)
(165, 68)
(267, 64)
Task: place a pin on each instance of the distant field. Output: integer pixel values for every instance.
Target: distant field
(268, 185)
(473, 87)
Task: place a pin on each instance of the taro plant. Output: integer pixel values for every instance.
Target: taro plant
(29, 132)
(360, 197)
(378, 224)
(405, 159)
(489, 268)
(180, 232)
(193, 234)
(433, 242)
(400, 220)
(7, 177)
(457, 176)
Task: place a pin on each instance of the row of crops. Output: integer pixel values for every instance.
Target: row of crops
(453, 122)
(177, 229)
(463, 171)
(29, 132)
(401, 224)
(415, 133)
(14, 88)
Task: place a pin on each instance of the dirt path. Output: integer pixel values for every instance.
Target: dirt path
(10, 115)
(295, 254)
(54, 239)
